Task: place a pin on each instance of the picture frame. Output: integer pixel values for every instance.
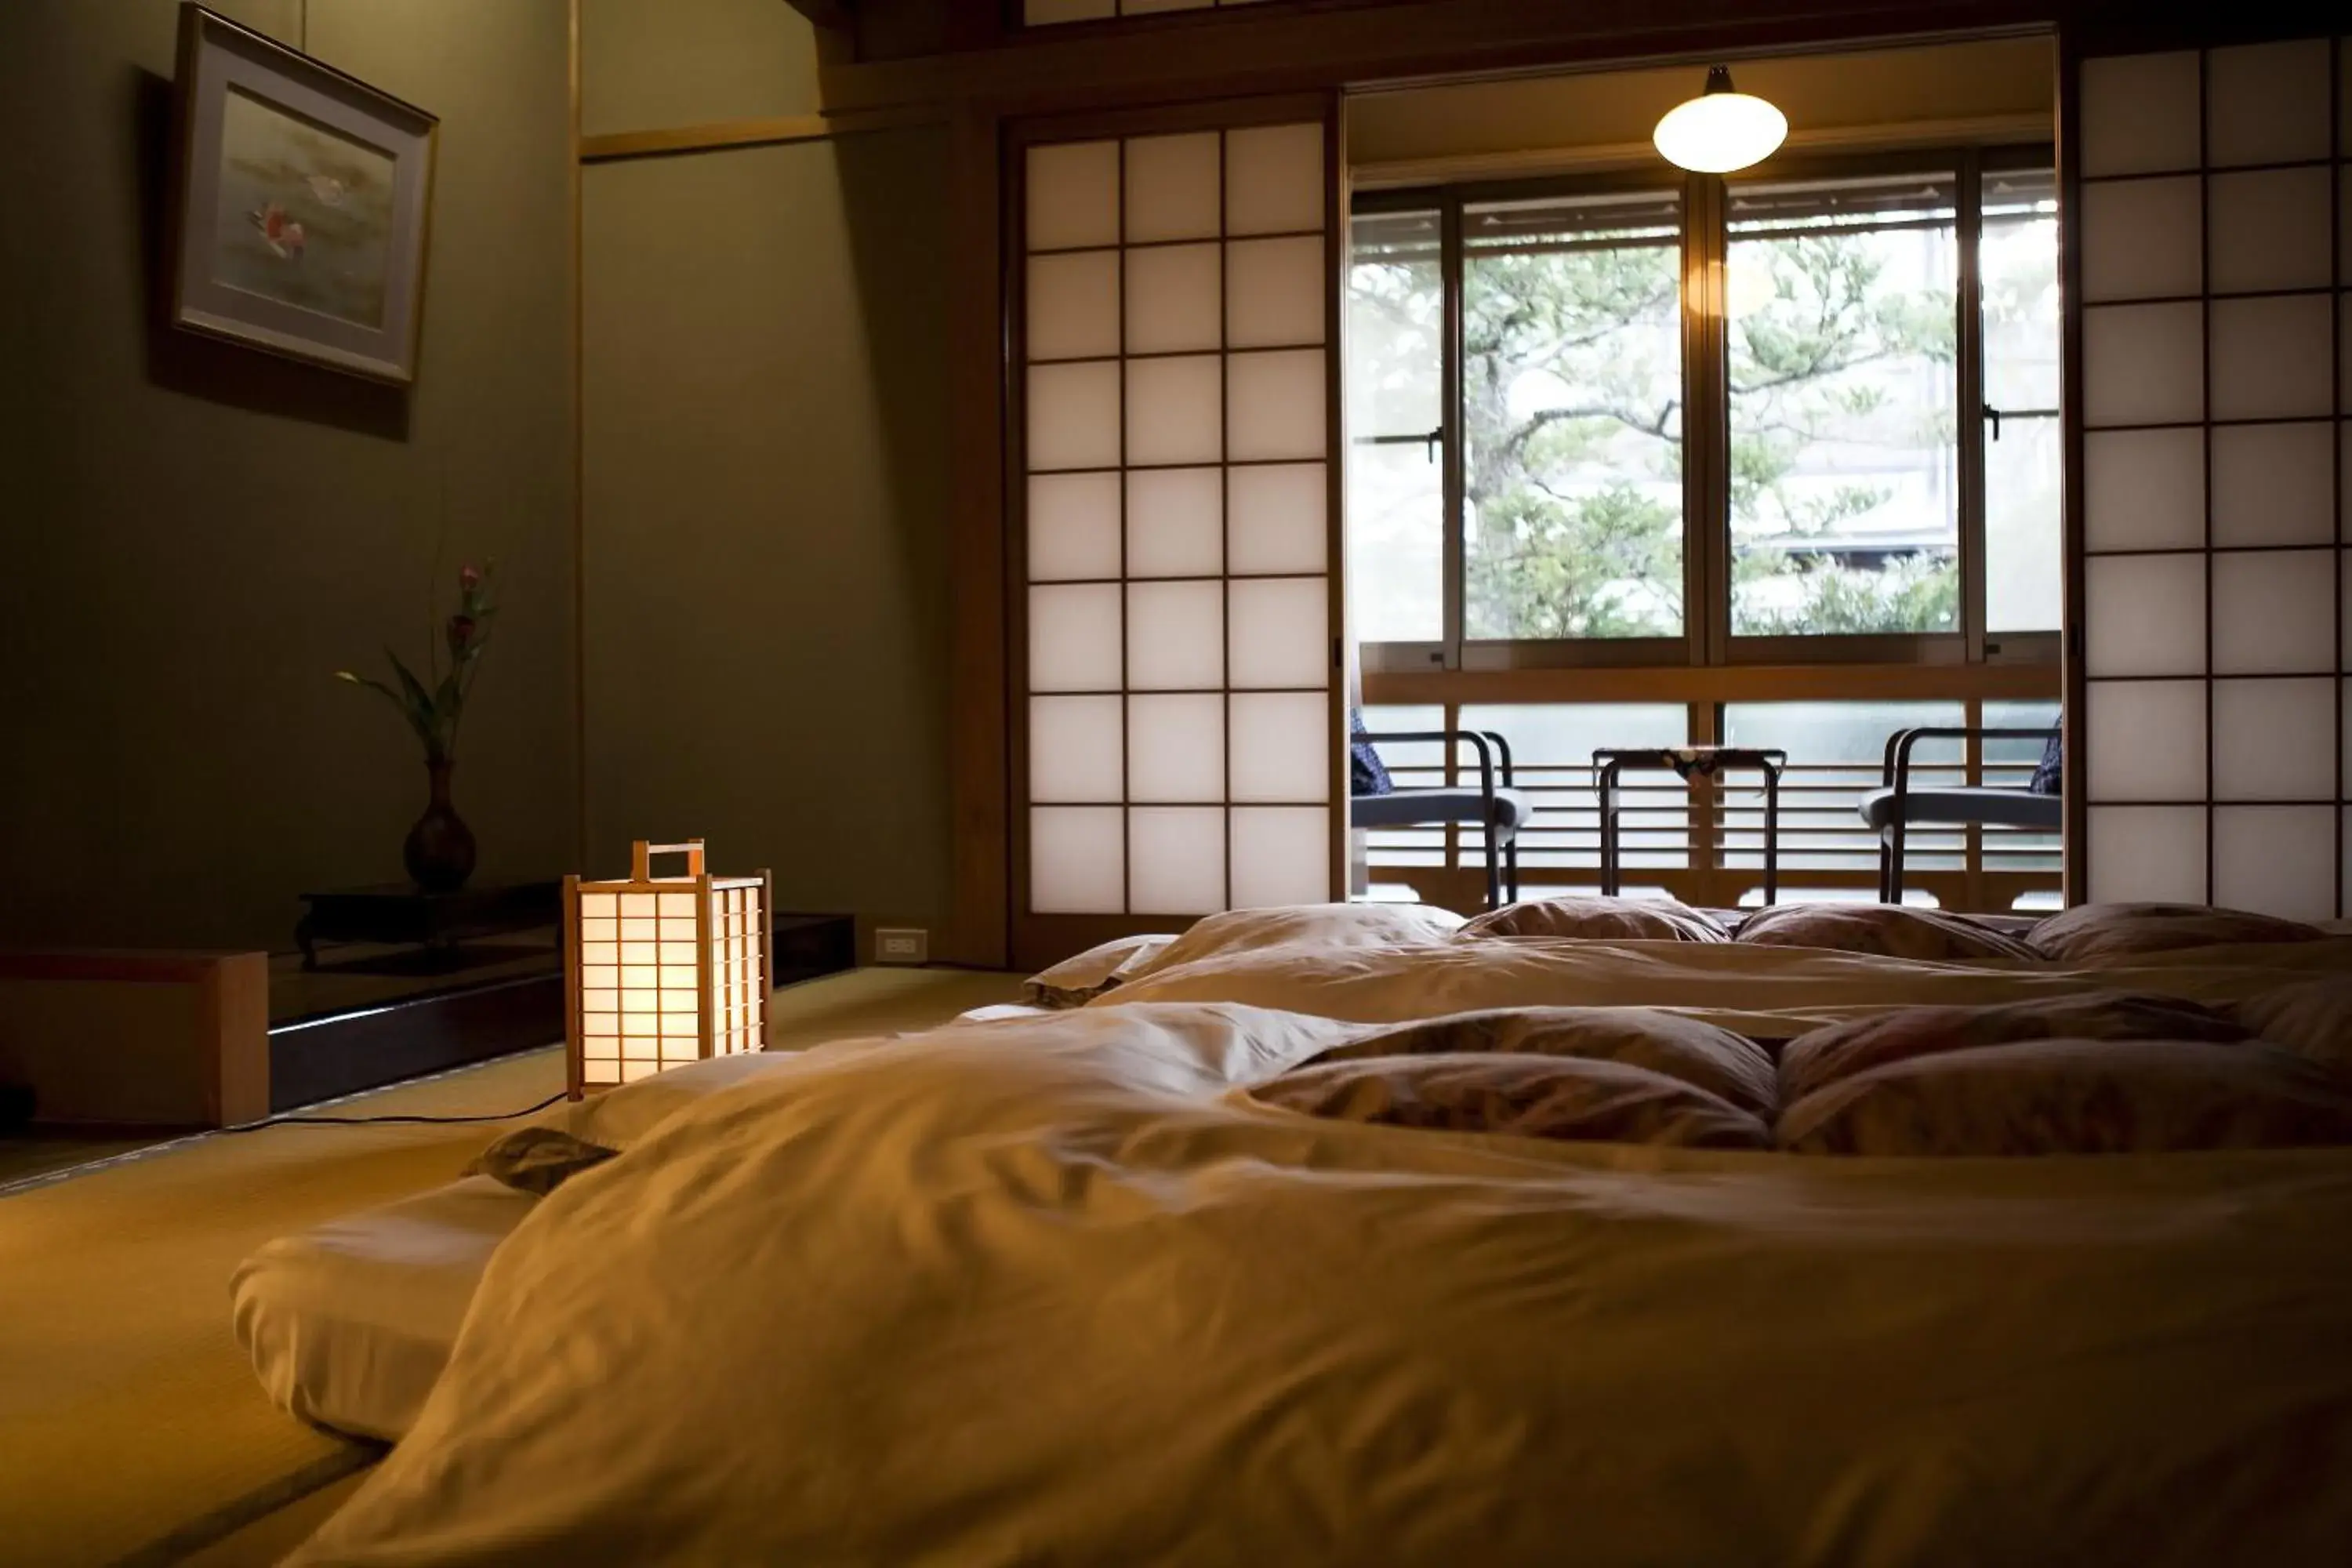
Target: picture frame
(301, 205)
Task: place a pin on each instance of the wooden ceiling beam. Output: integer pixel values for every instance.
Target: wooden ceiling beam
(1223, 52)
(833, 16)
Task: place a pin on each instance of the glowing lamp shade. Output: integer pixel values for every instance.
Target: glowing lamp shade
(1721, 130)
(663, 971)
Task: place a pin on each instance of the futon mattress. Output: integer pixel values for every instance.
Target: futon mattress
(349, 1324)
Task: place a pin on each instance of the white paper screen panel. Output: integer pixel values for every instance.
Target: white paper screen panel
(1182, 736)
(2211, 218)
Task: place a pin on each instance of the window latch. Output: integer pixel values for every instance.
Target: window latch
(1993, 414)
(1434, 438)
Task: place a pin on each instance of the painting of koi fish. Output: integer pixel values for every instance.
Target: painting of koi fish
(306, 212)
(300, 203)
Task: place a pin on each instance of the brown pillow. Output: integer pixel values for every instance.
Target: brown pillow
(2075, 1097)
(1529, 1097)
(1599, 919)
(1889, 930)
(2125, 931)
(538, 1160)
(2313, 1019)
(1818, 1060)
(1079, 979)
(1697, 1054)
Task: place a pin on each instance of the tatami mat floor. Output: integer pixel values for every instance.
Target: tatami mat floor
(131, 1426)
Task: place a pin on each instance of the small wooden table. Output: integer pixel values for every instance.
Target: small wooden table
(1684, 762)
(401, 913)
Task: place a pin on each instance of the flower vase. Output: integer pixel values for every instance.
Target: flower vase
(439, 853)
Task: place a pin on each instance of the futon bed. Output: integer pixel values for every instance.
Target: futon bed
(1578, 1233)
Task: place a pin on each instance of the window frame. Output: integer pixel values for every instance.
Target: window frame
(1707, 640)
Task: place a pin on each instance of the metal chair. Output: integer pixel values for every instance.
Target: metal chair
(1499, 808)
(1896, 806)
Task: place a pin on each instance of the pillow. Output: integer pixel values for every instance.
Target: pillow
(537, 1159)
(1888, 930)
(1529, 1097)
(1815, 1060)
(2128, 930)
(1079, 980)
(1698, 1053)
(2077, 1097)
(1366, 775)
(2313, 1019)
(1302, 925)
(1597, 919)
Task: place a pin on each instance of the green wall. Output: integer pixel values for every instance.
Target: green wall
(765, 480)
(197, 536)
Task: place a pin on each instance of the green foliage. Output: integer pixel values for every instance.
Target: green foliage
(434, 705)
(1905, 595)
(1573, 532)
(1591, 569)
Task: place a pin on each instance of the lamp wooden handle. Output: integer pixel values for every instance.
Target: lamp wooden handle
(641, 854)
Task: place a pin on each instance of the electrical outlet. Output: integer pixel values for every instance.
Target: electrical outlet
(901, 945)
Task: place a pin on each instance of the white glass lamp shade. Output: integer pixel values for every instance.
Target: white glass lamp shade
(1721, 130)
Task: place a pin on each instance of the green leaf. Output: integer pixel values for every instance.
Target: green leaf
(422, 716)
(378, 687)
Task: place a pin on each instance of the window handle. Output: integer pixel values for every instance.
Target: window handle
(1429, 441)
(1997, 414)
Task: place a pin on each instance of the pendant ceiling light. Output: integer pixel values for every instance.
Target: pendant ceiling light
(1721, 129)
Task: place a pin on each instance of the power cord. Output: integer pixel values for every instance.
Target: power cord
(380, 1121)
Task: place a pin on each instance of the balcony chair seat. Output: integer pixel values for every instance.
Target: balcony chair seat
(1965, 804)
(1407, 807)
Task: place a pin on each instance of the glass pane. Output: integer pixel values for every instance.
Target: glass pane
(1844, 466)
(1573, 417)
(2025, 448)
(1551, 759)
(2009, 765)
(1837, 751)
(1396, 477)
(1413, 765)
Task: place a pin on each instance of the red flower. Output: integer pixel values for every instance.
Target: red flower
(461, 633)
(469, 578)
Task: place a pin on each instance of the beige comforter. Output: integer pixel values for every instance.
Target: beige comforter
(1767, 992)
(1051, 1290)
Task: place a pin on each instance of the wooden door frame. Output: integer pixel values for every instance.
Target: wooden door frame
(1216, 59)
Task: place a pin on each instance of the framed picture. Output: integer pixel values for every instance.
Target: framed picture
(301, 201)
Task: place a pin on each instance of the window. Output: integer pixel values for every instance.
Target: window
(1571, 418)
(2024, 438)
(1843, 407)
(1703, 841)
(1396, 493)
(1847, 449)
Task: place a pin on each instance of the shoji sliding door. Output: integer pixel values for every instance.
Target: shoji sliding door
(1173, 456)
(2211, 223)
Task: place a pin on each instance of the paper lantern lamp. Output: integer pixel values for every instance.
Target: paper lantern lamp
(663, 971)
